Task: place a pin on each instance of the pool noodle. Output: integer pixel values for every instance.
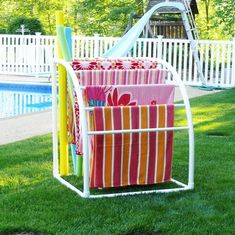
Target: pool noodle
(64, 164)
(68, 35)
(66, 54)
(77, 159)
(65, 39)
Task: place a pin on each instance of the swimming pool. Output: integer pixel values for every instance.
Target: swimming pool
(20, 98)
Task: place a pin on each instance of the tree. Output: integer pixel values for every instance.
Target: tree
(46, 13)
(205, 21)
(43, 10)
(105, 17)
(216, 19)
(207, 6)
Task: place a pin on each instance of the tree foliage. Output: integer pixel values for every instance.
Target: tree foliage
(225, 16)
(216, 19)
(105, 17)
(110, 18)
(40, 9)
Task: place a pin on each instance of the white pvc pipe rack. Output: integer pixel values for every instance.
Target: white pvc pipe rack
(85, 193)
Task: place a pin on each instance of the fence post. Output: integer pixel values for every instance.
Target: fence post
(233, 64)
(159, 46)
(37, 56)
(96, 45)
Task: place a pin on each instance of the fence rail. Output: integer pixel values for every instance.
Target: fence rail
(32, 55)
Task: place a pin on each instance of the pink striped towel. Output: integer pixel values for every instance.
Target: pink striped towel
(122, 77)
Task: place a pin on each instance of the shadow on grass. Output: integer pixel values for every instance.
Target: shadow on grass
(23, 231)
(141, 232)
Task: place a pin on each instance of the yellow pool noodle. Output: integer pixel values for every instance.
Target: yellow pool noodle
(64, 162)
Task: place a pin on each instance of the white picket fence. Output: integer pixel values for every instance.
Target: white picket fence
(32, 55)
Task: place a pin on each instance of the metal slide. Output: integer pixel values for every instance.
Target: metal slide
(125, 44)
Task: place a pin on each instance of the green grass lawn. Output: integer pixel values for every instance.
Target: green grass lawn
(32, 201)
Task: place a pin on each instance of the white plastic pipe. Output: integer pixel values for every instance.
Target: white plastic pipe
(54, 121)
(138, 130)
(82, 114)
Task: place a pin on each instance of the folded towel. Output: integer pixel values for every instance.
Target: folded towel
(112, 64)
(122, 77)
(129, 95)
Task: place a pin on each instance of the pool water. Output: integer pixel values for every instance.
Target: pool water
(18, 99)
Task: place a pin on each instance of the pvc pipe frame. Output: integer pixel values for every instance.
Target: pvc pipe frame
(78, 89)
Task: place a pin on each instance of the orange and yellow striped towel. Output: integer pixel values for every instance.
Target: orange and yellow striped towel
(132, 158)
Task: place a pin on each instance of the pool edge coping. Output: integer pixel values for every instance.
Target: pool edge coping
(27, 83)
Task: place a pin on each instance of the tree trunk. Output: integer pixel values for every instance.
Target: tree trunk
(207, 6)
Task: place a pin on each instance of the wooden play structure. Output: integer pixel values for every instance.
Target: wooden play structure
(167, 22)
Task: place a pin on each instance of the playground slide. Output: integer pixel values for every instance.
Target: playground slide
(125, 44)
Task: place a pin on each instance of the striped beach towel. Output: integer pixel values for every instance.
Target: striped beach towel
(122, 77)
(132, 158)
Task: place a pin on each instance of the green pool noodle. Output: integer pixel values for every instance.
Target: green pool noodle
(79, 165)
(66, 54)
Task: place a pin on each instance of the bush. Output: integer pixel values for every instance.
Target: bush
(33, 24)
(3, 31)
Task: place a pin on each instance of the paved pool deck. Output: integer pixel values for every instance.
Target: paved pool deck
(36, 124)
(27, 79)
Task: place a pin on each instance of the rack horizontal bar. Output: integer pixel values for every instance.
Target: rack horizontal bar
(137, 130)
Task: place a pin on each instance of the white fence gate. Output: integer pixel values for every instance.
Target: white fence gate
(32, 55)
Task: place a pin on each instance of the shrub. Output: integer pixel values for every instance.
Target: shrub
(33, 24)
(3, 31)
